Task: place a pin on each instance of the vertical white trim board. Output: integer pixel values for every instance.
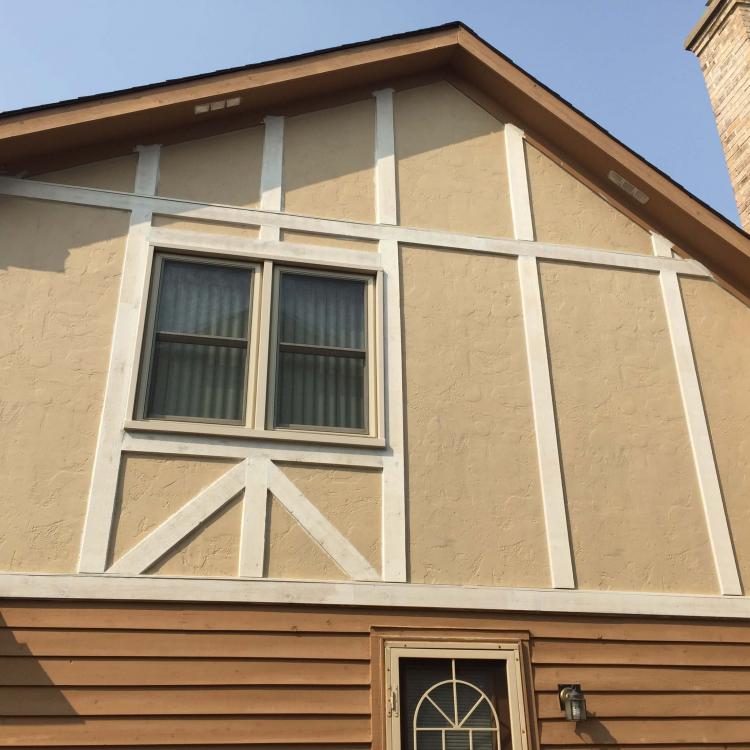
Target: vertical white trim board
(540, 379)
(103, 489)
(271, 176)
(393, 486)
(700, 439)
(385, 159)
(254, 519)
(518, 183)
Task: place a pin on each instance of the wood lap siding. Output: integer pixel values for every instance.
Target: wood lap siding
(147, 675)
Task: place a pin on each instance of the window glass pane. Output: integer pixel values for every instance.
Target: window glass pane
(195, 380)
(202, 299)
(472, 710)
(320, 390)
(322, 311)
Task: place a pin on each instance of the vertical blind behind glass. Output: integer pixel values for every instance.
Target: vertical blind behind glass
(318, 385)
(204, 378)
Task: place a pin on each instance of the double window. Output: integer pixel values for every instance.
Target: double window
(202, 351)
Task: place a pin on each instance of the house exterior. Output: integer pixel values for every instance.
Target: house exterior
(366, 399)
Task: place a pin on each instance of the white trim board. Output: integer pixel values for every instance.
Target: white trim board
(700, 439)
(271, 175)
(367, 594)
(407, 235)
(103, 488)
(390, 368)
(540, 380)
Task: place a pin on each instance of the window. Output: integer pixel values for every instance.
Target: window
(454, 698)
(200, 355)
(321, 351)
(200, 342)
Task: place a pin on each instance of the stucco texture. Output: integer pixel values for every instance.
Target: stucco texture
(636, 516)
(207, 227)
(348, 498)
(720, 331)
(108, 174)
(221, 169)
(150, 490)
(60, 270)
(474, 503)
(567, 212)
(329, 162)
(450, 161)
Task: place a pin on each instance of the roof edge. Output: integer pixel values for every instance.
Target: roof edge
(237, 69)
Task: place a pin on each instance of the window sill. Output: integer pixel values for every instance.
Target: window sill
(248, 433)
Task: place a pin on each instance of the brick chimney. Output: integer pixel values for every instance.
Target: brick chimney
(721, 41)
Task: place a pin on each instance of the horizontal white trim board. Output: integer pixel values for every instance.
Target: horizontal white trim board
(405, 235)
(366, 594)
(213, 447)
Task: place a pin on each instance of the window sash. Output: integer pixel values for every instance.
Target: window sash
(279, 347)
(156, 336)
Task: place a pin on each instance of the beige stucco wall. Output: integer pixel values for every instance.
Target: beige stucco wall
(475, 511)
(329, 162)
(348, 498)
(207, 227)
(720, 331)
(567, 212)
(108, 174)
(450, 163)
(59, 277)
(636, 517)
(221, 169)
(150, 489)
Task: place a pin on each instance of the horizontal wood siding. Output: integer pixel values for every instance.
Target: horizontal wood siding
(148, 676)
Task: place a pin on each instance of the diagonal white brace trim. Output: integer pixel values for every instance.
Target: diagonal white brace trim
(545, 424)
(700, 439)
(330, 539)
(254, 519)
(180, 524)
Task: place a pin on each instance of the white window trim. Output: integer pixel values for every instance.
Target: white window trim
(508, 652)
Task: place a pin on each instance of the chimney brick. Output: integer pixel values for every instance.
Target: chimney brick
(722, 43)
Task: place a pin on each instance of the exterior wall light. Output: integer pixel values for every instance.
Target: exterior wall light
(573, 702)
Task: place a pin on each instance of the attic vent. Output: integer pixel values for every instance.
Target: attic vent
(628, 187)
(201, 109)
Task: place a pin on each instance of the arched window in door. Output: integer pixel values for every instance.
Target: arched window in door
(454, 714)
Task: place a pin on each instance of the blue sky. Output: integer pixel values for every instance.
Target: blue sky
(621, 62)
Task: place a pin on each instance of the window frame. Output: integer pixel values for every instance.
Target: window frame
(495, 651)
(258, 408)
(370, 367)
(146, 370)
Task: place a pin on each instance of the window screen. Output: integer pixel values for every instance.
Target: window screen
(321, 352)
(200, 342)
(454, 704)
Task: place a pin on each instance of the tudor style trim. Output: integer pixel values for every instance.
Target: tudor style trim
(103, 488)
(545, 425)
(391, 389)
(368, 594)
(700, 439)
(357, 230)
